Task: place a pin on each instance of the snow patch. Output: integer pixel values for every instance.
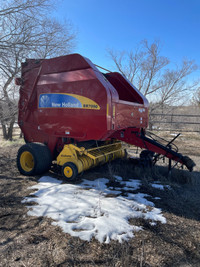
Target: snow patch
(92, 209)
(157, 185)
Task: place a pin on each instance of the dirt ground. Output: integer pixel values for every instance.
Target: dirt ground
(33, 241)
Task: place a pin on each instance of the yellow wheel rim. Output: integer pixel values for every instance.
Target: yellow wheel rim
(68, 172)
(27, 161)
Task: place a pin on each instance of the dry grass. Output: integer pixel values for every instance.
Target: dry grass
(31, 241)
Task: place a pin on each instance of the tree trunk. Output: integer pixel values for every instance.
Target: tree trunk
(150, 126)
(5, 137)
(10, 129)
(3, 123)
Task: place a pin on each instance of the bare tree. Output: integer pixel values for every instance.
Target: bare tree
(142, 67)
(150, 73)
(196, 98)
(174, 85)
(26, 31)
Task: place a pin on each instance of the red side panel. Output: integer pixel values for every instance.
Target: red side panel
(130, 115)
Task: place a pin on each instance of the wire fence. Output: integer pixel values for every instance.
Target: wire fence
(174, 122)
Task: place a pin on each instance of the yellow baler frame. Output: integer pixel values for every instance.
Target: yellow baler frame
(85, 159)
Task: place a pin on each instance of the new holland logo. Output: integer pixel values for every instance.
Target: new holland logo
(66, 101)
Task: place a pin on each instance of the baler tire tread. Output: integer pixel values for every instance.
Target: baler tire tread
(44, 158)
(41, 155)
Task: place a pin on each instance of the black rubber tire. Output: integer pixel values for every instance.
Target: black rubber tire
(189, 163)
(74, 171)
(41, 157)
(146, 158)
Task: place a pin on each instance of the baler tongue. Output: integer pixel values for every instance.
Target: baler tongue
(170, 151)
(152, 145)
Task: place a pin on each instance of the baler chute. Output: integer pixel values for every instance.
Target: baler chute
(74, 116)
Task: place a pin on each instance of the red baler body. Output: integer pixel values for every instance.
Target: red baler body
(68, 97)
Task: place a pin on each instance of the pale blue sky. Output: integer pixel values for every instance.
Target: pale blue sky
(121, 25)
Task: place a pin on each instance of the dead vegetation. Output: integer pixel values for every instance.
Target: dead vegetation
(33, 241)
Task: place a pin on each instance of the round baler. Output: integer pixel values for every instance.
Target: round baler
(74, 117)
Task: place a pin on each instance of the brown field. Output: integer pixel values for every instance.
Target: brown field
(33, 241)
